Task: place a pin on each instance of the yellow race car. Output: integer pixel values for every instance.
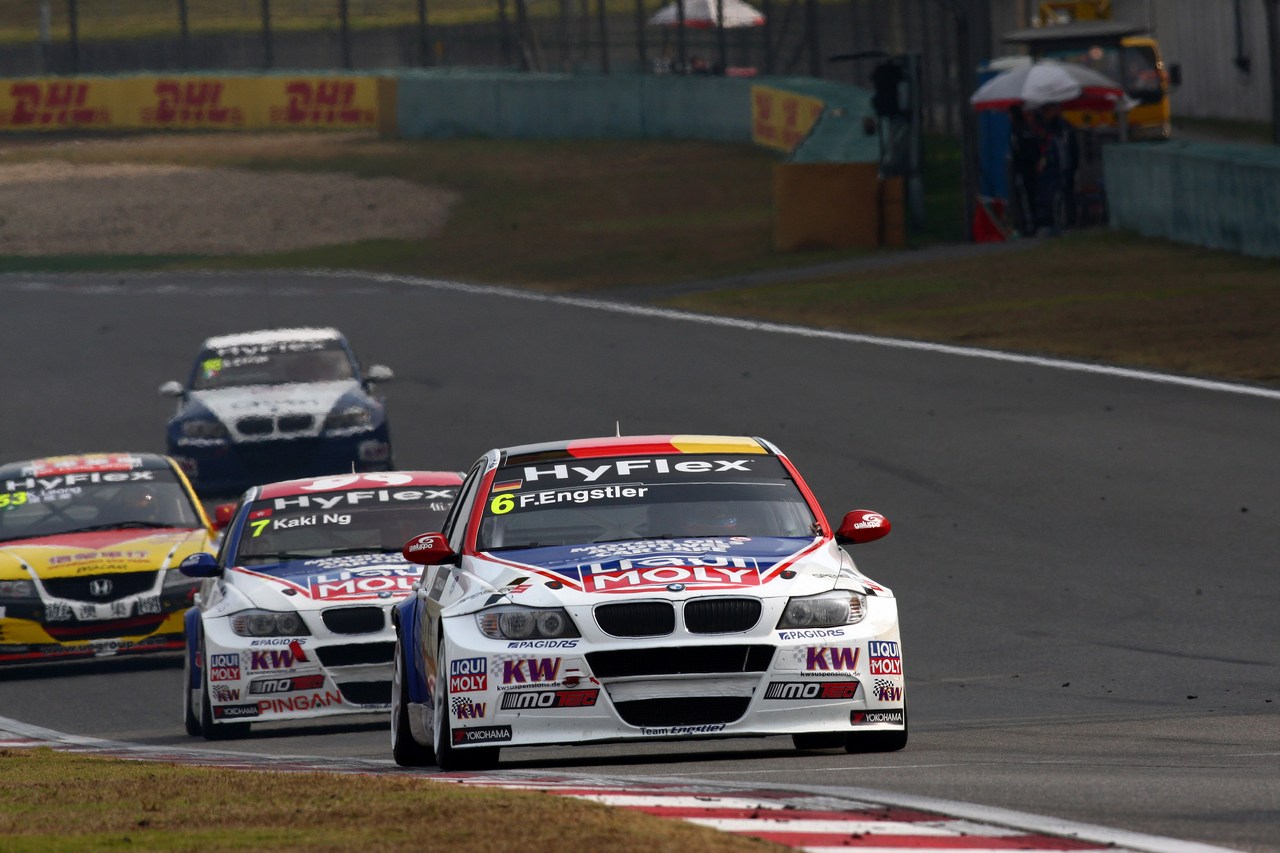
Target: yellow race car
(89, 553)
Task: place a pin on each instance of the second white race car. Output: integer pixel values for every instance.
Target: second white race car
(291, 621)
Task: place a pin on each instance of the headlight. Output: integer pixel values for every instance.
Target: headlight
(17, 589)
(828, 610)
(267, 623)
(203, 429)
(352, 417)
(525, 623)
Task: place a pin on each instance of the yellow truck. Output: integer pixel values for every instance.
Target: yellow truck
(1082, 31)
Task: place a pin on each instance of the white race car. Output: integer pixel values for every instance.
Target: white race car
(292, 619)
(642, 588)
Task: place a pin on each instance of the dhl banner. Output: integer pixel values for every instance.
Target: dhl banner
(189, 102)
(780, 119)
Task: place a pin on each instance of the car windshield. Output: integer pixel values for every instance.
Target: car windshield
(272, 364)
(338, 524)
(99, 500)
(628, 498)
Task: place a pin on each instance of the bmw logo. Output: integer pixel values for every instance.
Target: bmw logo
(675, 587)
(384, 594)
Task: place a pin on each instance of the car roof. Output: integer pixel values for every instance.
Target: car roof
(81, 463)
(353, 482)
(271, 336)
(634, 445)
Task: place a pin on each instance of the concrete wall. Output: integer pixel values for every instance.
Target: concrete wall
(1218, 196)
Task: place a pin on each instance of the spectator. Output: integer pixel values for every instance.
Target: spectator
(1056, 170)
(1024, 156)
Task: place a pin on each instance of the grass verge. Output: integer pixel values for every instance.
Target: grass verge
(152, 806)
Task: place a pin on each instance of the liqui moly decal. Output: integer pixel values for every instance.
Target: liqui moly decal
(884, 657)
(364, 583)
(651, 574)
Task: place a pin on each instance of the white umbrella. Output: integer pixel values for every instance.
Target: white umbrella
(704, 14)
(1048, 81)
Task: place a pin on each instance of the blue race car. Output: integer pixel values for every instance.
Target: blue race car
(274, 405)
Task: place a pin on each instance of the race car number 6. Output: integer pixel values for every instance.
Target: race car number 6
(502, 504)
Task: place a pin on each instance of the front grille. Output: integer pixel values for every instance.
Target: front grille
(367, 692)
(354, 620)
(295, 423)
(82, 589)
(356, 653)
(636, 619)
(687, 711)
(138, 626)
(721, 615)
(679, 661)
(255, 426)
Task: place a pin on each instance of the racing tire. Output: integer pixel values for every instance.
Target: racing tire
(448, 758)
(208, 728)
(190, 716)
(404, 747)
(807, 741)
(878, 741)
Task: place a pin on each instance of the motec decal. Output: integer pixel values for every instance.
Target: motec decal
(268, 686)
(529, 699)
(803, 690)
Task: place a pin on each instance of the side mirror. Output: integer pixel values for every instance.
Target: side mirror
(201, 564)
(428, 549)
(863, 525)
(172, 389)
(379, 373)
(222, 515)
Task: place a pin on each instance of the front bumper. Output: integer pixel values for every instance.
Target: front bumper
(524, 693)
(51, 628)
(290, 678)
(229, 467)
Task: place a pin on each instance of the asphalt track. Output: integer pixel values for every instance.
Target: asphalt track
(1085, 560)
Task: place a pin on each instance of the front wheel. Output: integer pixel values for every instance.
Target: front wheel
(448, 758)
(404, 747)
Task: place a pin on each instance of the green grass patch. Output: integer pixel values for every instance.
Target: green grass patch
(53, 801)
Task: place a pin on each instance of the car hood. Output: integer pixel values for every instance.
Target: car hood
(315, 398)
(659, 568)
(79, 554)
(314, 584)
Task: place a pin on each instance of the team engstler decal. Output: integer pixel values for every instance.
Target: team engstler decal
(649, 565)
